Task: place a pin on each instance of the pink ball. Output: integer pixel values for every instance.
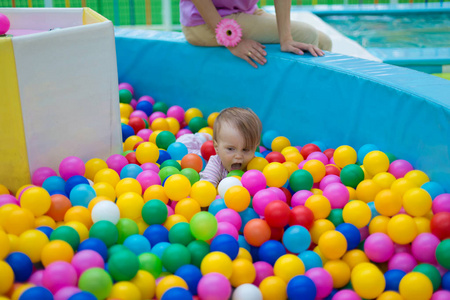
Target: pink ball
(145, 134)
(176, 112)
(402, 248)
(424, 247)
(214, 286)
(253, 181)
(300, 197)
(148, 178)
(379, 247)
(71, 166)
(116, 162)
(8, 199)
(4, 24)
(156, 115)
(147, 98)
(169, 210)
(87, 259)
(346, 295)
(139, 114)
(173, 204)
(327, 179)
(41, 174)
(320, 156)
(364, 232)
(227, 228)
(280, 194)
(323, 281)
(441, 203)
(127, 86)
(66, 292)
(263, 270)
(59, 274)
(133, 103)
(399, 168)
(402, 261)
(229, 215)
(36, 277)
(302, 163)
(441, 295)
(261, 199)
(337, 194)
(183, 132)
(150, 167)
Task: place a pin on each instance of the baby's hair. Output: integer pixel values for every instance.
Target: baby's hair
(244, 120)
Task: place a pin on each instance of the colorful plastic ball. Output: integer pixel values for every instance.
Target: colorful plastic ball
(441, 295)
(379, 247)
(256, 232)
(357, 213)
(417, 177)
(307, 149)
(191, 275)
(216, 262)
(273, 288)
(402, 229)
(180, 233)
(277, 214)
(375, 162)
(351, 234)
(41, 174)
(230, 216)
(175, 256)
(177, 150)
(56, 250)
(105, 231)
(388, 202)
(18, 220)
(204, 192)
(147, 152)
(81, 195)
(227, 228)
(417, 202)
(443, 253)
(21, 265)
(87, 259)
(261, 199)
(36, 292)
(415, 285)
(31, 243)
(214, 285)
(58, 275)
(6, 277)
(319, 205)
(191, 174)
(301, 180)
(37, 200)
(203, 226)
(243, 272)
(176, 112)
(177, 293)
(345, 294)
(164, 139)
(332, 244)
(431, 272)
(177, 187)
(199, 249)
(268, 137)
(316, 168)
(322, 281)
(351, 175)
(197, 123)
(276, 174)
(263, 270)
(253, 181)
(337, 194)
(151, 263)
(192, 161)
(288, 266)
(123, 265)
(423, 247)
(301, 215)
(247, 291)
(96, 281)
(227, 244)
(59, 206)
(440, 225)
(226, 184)
(270, 251)
(4, 24)
(105, 211)
(71, 166)
(399, 168)
(275, 157)
(402, 261)
(367, 280)
(441, 203)
(301, 287)
(296, 239)
(393, 278)
(67, 234)
(137, 244)
(96, 245)
(344, 155)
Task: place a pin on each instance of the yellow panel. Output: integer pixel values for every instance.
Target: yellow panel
(90, 16)
(14, 168)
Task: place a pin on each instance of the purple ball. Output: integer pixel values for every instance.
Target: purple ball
(379, 247)
(41, 174)
(399, 168)
(148, 178)
(337, 194)
(147, 98)
(214, 286)
(320, 156)
(327, 179)
(300, 197)
(139, 113)
(156, 115)
(263, 270)
(323, 281)
(402, 261)
(441, 295)
(117, 162)
(145, 134)
(8, 199)
(424, 247)
(441, 203)
(253, 181)
(127, 86)
(71, 166)
(176, 112)
(346, 295)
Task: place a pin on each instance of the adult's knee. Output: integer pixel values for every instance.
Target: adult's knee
(325, 42)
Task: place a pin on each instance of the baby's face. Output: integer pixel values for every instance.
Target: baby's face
(230, 146)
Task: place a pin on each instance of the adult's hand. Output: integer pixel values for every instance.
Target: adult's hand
(300, 48)
(251, 51)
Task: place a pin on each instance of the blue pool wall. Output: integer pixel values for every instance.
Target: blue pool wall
(334, 100)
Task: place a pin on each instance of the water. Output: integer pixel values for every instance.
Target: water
(424, 30)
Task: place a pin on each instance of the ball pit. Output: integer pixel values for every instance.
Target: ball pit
(345, 222)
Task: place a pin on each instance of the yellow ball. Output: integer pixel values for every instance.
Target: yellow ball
(6, 277)
(212, 118)
(125, 290)
(319, 205)
(37, 200)
(18, 221)
(145, 282)
(13, 242)
(390, 295)
(388, 202)
(19, 191)
(367, 190)
(174, 125)
(401, 185)
(177, 187)
(104, 190)
(96, 200)
(4, 241)
(357, 212)
(125, 110)
(417, 177)
(379, 224)
(291, 167)
(130, 205)
(131, 141)
(156, 192)
(192, 113)
(332, 244)
(415, 285)
(79, 214)
(153, 135)
(276, 174)
(204, 192)
(217, 262)
(93, 166)
(355, 257)
(169, 282)
(339, 271)
(322, 257)
(160, 124)
(142, 225)
(422, 224)
(244, 254)
(243, 271)
(207, 130)
(367, 280)
(81, 229)
(31, 242)
(319, 227)
(290, 149)
(402, 229)
(279, 143)
(344, 155)
(187, 207)
(316, 168)
(351, 193)
(147, 152)
(237, 197)
(56, 250)
(174, 219)
(257, 163)
(293, 156)
(288, 266)
(44, 221)
(384, 179)
(417, 202)
(273, 288)
(375, 162)
(3, 190)
(107, 175)
(128, 185)
(18, 290)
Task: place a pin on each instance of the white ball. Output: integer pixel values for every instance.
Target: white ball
(247, 291)
(105, 210)
(226, 183)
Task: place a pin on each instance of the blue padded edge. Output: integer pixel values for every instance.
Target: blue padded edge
(334, 99)
(414, 56)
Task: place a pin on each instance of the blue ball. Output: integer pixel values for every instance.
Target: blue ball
(96, 245)
(156, 234)
(247, 215)
(351, 234)
(60, 192)
(320, 144)
(393, 278)
(270, 251)
(254, 252)
(82, 194)
(296, 239)
(225, 243)
(127, 131)
(362, 152)
(36, 292)
(374, 211)
(145, 106)
(159, 249)
(331, 295)
(268, 137)
(177, 293)
(433, 188)
(163, 156)
(258, 154)
(177, 150)
(54, 183)
(216, 206)
(83, 295)
(310, 259)
(265, 152)
(192, 275)
(446, 281)
(74, 181)
(45, 229)
(21, 265)
(137, 243)
(243, 243)
(130, 171)
(301, 287)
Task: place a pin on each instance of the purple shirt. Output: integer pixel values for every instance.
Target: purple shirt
(189, 15)
(214, 171)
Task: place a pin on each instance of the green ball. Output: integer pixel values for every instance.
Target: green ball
(352, 175)
(126, 227)
(191, 174)
(431, 272)
(151, 263)
(116, 248)
(154, 212)
(198, 250)
(238, 173)
(180, 233)
(171, 163)
(67, 234)
(301, 180)
(125, 96)
(105, 231)
(126, 152)
(96, 281)
(167, 171)
(123, 265)
(175, 256)
(164, 139)
(197, 123)
(443, 253)
(203, 225)
(160, 106)
(391, 157)
(335, 216)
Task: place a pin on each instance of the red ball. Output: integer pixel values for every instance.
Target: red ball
(440, 225)
(276, 233)
(137, 144)
(257, 232)
(308, 149)
(332, 170)
(329, 153)
(131, 157)
(275, 157)
(207, 150)
(136, 123)
(301, 215)
(192, 161)
(277, 213)
(287, 194)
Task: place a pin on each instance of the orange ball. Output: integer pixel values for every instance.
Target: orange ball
(257, 232)
(59, 206)
(192, 161)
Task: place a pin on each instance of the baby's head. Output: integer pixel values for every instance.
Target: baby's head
(237, 133)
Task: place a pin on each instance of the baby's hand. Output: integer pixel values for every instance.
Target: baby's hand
(251, 51)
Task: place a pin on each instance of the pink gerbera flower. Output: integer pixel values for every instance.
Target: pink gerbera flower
(228, 33)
